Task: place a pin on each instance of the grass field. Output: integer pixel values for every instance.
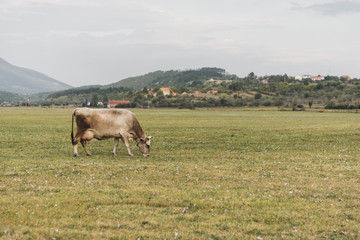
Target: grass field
(211, 174)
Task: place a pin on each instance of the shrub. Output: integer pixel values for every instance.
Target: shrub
(126, 105)
(258, 96)
(267, 103)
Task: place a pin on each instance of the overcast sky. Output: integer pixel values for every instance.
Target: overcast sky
(83, 42)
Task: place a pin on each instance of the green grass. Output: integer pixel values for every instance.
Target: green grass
(212, 174)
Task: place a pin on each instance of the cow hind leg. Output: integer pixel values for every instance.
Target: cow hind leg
(116, 143)
(75, 142)
(86, 137)
(84, 144)
(76, 154)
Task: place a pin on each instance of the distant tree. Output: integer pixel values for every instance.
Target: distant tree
(257, 96)
(183, 89)
(252, 75)
(160, 93)
(319, 86)
(236, 86)
(94, 100)
(224, 102)
(174, 90)
(278, 103)
(310, 104)
(105, 100)
(307, 81)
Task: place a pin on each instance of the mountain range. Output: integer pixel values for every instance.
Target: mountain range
(17, 83)
(26, 81)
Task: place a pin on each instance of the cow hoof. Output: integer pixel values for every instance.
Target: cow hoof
(88, 154)
(131, 155)
(76, 155)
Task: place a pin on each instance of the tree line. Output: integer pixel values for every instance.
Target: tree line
(278, 90)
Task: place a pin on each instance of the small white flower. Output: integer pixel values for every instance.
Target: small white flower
(185, 208)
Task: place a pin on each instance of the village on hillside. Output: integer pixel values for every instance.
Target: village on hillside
(297, 93)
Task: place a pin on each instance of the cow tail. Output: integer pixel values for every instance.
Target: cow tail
(72, 129)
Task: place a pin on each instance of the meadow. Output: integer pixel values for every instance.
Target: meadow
(211, 174)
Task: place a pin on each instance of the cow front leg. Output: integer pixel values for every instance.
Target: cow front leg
(125, 139)
(116, 143)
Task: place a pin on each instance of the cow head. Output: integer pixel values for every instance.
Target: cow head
(144, 146)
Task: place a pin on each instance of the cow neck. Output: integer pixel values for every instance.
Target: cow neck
(139, 133)
(139, 136)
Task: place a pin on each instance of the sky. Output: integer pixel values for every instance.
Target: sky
(86, 42)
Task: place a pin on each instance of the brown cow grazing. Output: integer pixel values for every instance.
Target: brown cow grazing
(108, 123)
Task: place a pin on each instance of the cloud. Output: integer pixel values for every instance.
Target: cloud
(98, 34)
(32, 3)
(332, 8)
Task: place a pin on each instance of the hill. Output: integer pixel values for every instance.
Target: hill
(213, 87)
(10, 97)
(172, 78)
(26, 81)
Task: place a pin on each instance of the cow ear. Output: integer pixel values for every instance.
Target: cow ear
(148, 140)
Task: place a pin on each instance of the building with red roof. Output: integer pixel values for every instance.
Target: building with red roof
(113, 103)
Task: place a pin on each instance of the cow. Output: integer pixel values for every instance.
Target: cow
(108, 123)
